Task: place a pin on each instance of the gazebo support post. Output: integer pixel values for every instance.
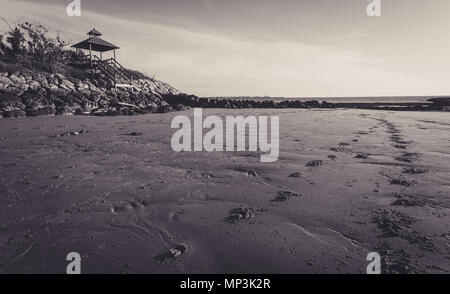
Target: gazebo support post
(90, 53)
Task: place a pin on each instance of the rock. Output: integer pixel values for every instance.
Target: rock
(108, 111)
(164, 108)
(34, 85)
(84, 92)
(14, 90)
(247, 172)
(239, 214)
(402, 182)
(180, 107)
(60, 77)
(314, 163)
(440, 101)
(362, 156)
(94, 89)
(42, 80)
(327, 105)
(54, 89)
(89, 106)
(102, 102)
(67, 84)
(44, 94)
(10, 102)
(23, 87)
(65, 110)
(152, 107)
(295, 175)
(124, 95)
(52, 79)
(134, 134)
(312, 104)
(17, 79)
(13, 112)
(45, 110)
(6, 81)
(177, 251)
(414, 170)
(82, 86)
(76, 133)
(173, 254)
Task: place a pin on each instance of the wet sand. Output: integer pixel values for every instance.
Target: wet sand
(348, 182)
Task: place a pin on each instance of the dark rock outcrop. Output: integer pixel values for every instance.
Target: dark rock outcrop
(24, 93)
(440, 101)
(193, 101)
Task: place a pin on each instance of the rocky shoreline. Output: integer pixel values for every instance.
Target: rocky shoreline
(34, 94)
(180, 100)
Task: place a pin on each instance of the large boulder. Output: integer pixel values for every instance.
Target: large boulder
(66, 110)
(17, 79)
(5, 82)
(34, 85)
(13, 112)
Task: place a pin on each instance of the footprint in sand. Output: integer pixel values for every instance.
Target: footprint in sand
(402, 182)
(408, 157)
(414, 170)
(134, 134)
(286, 195)
(398, 146)
(362, 156)
(411, 200)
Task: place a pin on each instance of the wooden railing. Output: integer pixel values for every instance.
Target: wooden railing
(112, 69)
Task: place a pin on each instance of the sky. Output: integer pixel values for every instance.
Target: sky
(289, 48)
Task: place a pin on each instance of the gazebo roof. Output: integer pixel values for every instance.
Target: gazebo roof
(95, 33)
(96, 44)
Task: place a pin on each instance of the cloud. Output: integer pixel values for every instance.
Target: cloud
(214, 64)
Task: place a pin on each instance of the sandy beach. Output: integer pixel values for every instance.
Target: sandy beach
(347, 182)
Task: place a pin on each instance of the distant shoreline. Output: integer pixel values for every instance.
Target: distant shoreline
(336, 99)
(417, 103)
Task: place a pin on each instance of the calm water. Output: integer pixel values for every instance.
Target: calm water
(343, 99)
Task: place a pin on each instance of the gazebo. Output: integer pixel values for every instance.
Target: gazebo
(97, 44)
(109, 67)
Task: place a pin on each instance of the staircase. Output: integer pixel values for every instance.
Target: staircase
(113, 70)
(110, 68)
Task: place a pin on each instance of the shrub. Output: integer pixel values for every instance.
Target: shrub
(30, 45)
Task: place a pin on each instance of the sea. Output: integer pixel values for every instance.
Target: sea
(378, 99)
